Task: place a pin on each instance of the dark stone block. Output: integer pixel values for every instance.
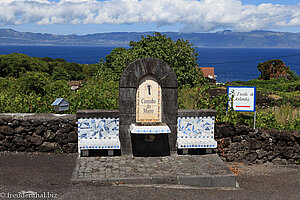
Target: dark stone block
(2, 148)
(61, 138)
(47, 147)
(127, 107)
(66, 128)
(21, 148)
(40, 130)
(237, 139)
(169, 118)
(226, 141)
(281, 143)
(173, 129)
(223, 130)
(235, 147)
(170, 106)
(4, 144)
(172, 138)
(287, 152)
(196, 112)
(9, 138)
(169, 94)
(126, 146)
(37, 123)
(254, 143)
(97, 113)
(18, 141)
(53, 125)
(273, 154)
(128, 80)
(124, 131)
(72, 137)
(26, 123)
(127, 119)
(36, 140)
(127, 94)
(261, 153)
(15, 123)
(251, 157)
(20, 129)
(279, 161)
(70, 148)
(6, 130)
(161, 69)
(3, 122)
(149, 65)
(49, 135)
(242, 130)
(138, 68)
(170, 80)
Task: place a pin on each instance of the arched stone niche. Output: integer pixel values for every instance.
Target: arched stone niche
(148, 69)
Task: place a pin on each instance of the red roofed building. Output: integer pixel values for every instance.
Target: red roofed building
(208, 72)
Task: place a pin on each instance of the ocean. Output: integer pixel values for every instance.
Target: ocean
(229, 63)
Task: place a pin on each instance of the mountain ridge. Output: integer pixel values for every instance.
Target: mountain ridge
(221, 39)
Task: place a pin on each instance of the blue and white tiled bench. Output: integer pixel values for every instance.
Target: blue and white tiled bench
(195, 129)
(98, 129)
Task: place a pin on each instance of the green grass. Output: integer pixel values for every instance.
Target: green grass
(287, 91)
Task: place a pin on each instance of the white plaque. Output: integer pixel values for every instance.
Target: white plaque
(148, 101)
(242, 98)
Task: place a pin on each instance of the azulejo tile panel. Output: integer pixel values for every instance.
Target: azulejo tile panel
(195, 132)
(98, 133)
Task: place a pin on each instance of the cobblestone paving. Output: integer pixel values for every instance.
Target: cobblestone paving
(101, 168)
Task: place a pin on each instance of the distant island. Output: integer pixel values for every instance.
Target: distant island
(222, 39)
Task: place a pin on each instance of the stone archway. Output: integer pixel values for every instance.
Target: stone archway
(129, 83)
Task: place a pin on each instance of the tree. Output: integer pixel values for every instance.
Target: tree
(60, 73)
(34, 82)
(14, 65)
(274, 69)
(180, 55)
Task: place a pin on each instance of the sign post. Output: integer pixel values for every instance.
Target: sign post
(242, 99)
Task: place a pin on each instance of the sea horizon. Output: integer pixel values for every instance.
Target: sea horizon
(230, 63)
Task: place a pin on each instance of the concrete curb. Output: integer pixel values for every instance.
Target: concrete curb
(199, 181)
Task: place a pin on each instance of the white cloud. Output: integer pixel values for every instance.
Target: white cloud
(204, 15)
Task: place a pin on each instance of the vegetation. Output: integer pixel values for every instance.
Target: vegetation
(15, 65)
(179, 55)
(274, 69)
(31, 84)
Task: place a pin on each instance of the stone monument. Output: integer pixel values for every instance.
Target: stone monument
(148, 108)
(148, 122)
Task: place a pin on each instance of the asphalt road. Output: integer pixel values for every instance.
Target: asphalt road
(49, 174)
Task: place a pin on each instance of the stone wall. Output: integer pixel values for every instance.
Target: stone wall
(38, 132)
(58, 133)
(243, 144)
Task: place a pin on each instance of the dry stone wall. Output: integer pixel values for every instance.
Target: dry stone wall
(58, 133)
(243, 144)
(38, 132)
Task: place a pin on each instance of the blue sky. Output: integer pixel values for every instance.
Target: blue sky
(94, 16)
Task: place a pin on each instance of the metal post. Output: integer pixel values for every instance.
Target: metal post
(254, 119)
